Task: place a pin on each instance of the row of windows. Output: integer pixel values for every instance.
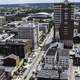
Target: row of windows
(64, 63)
(49, 60)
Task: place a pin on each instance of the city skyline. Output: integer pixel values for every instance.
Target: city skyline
(31, 1)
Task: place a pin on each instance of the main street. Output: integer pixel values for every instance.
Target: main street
(33, 67)
(47, 40)
(28, 72)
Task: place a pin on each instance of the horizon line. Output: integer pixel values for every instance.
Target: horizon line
(33, 3)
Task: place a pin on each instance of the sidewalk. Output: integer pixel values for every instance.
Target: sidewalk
(47, 37)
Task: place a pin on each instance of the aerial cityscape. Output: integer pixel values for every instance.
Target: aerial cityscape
(40, 40)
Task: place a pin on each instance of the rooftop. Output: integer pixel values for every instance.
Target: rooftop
(44, 13)
(52, 51)
(52, 74)
(15, 41)
(41, 14)
(63, 57)
(2, 16)
(64, 52)
(11, 56)
(15, 23)
(27, 25)
(48, 74)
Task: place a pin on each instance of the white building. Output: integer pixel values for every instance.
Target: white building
(2, 20)
(51, 55)
(28, 31)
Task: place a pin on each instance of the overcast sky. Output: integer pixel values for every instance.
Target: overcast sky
(31, 1)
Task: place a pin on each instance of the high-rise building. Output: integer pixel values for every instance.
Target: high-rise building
(57, 14)
(67, 24)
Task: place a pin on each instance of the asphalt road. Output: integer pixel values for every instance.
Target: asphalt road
(33, 67)
(28, 73)
(47, 41)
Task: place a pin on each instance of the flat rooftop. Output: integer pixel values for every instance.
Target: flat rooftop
(16, 41)
(52, 74)
(52, 51)
(48, 74)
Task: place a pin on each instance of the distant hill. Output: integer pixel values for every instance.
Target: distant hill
(28, 5)
(77, 4)
(33, 5)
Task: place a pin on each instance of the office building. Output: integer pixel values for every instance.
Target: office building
(57, 13)
(66, 25)
(47, 72)
(53, 63)
(29, 31)
(19, 47)
(64, 58)
(10, 61)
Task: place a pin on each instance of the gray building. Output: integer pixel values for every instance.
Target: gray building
(57, 13)
(51, 68)
(32, 31)
(64, 58)
(47, 72)
(29, 31)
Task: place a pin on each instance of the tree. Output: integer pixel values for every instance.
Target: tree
(31, 78)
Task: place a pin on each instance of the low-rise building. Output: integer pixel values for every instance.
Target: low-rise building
(64, 58)
(19, 47)
(10, 60)
(76, 59)
(76, 38)
(53, 67)
(75, 54)
(27, 30)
